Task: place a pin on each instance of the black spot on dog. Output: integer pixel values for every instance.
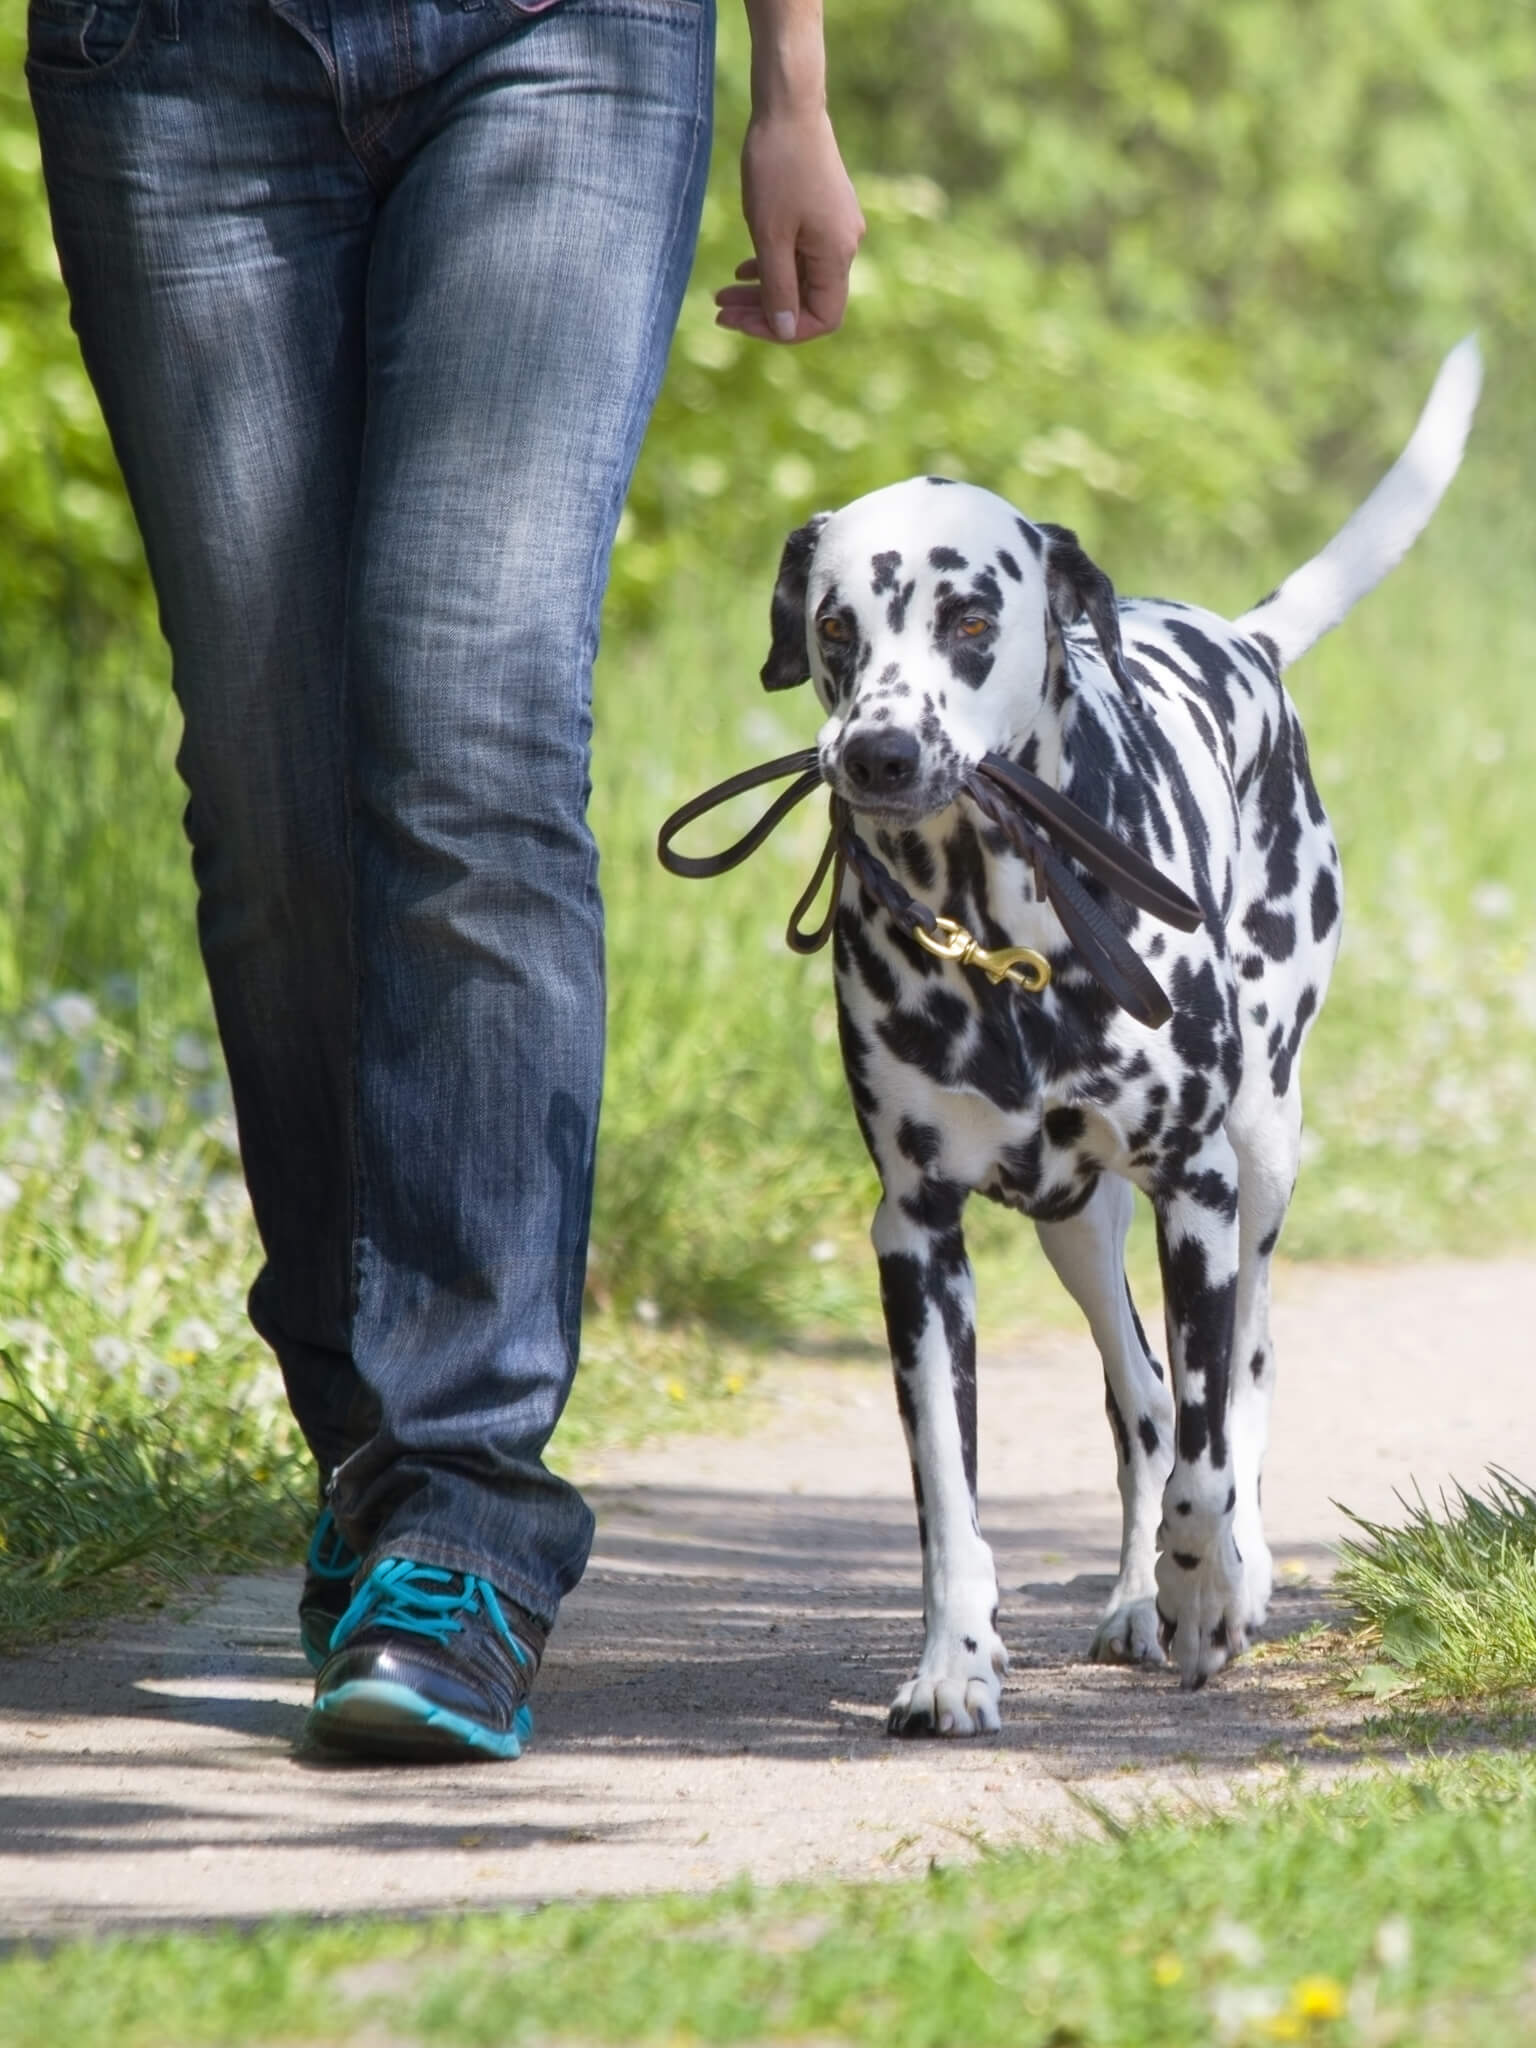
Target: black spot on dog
(1325, 903)
(1284, 1056)
(1117, 1423)
(936, 1204)
(1064, 1127)
(916, 858)
(884, 567)
(1146, 1429)
(917, 1142)
(946, 558)
(1256, 1364)
(1194, 1430)
(1009, 566)
(1034, 541)
(938, 479)
(1214, 1192)
(857, 951)
(970, 1643)
(896, 610)
(904, 1298)
(1268, 1242)
(1272, 931)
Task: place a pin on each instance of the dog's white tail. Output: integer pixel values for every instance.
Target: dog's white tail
(1313, 600)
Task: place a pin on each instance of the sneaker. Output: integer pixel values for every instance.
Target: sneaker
(424, 1665)
(329, 1571)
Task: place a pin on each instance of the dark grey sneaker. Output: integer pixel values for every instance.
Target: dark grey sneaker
(329, 1571)
(424, 1666)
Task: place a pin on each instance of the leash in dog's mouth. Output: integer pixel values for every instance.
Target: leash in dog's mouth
(1029, 813)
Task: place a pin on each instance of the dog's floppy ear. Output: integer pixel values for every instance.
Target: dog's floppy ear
(788, 662)
(1076, 586)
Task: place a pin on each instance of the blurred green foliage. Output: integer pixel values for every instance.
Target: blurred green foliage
(1168, 273)
(1177, 275)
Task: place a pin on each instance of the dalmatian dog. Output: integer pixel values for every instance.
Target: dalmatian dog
(939, 625)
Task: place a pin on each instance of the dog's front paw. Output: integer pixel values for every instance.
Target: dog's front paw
(957, 1691)
(1128, 1634)
(1201, 1598)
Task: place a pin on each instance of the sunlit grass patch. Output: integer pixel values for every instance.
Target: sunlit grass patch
(1447, 1600)
(113, 1512)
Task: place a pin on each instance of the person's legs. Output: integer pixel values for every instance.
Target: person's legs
(527, 270)
(383, 612)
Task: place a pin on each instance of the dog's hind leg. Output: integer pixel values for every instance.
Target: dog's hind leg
(1200, 1591)
(1088, 1253)
(930, 1313)
(1266, 1135)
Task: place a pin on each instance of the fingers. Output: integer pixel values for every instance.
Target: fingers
(758, 308)
(779, 288)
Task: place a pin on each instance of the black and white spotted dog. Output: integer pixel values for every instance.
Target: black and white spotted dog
(939, 625)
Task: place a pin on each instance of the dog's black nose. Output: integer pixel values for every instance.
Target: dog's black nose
(881, 762)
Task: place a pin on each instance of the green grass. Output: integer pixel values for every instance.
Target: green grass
(1447, 1602)
(1390, 1910)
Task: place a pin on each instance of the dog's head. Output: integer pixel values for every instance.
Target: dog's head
(929, 617)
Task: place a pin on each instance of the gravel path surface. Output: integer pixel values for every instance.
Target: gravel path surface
(713, 1702)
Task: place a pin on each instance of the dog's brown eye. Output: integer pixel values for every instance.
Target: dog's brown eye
(972, 627)
(832, 628)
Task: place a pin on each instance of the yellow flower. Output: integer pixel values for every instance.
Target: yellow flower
(734, 1382)
(1166, 1970)
(1317, 1998)
(676, 1391)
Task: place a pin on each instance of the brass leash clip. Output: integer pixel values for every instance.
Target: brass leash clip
(1021, 965)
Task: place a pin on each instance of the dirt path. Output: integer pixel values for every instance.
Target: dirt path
(714, 1699)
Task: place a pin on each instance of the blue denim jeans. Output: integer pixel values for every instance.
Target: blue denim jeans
(376, 295)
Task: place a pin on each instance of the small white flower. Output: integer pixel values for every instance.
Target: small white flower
(34, 1340)
(1237, 1943)
(647, 1312)
(1394, 1942)
(194, 1335)
(1492, 900)
(111, 1354)
(72, 1013)
(159, 1382)
(823, 1251)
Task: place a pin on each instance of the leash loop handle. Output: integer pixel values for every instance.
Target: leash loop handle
(701, 867)
(796, 937)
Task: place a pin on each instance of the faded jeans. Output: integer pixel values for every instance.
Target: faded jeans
(376, 296)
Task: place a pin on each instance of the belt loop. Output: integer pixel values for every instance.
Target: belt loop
(167, 21)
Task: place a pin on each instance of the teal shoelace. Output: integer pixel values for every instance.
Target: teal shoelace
(331, 1556)
(422, 1600)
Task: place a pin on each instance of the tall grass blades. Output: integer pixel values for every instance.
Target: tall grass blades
(1449, 1599)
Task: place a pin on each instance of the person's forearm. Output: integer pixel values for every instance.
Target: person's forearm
(789, 66)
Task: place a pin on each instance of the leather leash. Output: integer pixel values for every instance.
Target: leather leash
(1030, 813)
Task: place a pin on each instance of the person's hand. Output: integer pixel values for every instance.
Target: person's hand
(805, 225)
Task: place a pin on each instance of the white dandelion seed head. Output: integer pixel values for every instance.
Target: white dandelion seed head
(159, 1382)
(111, 1354)
(194, 1335)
